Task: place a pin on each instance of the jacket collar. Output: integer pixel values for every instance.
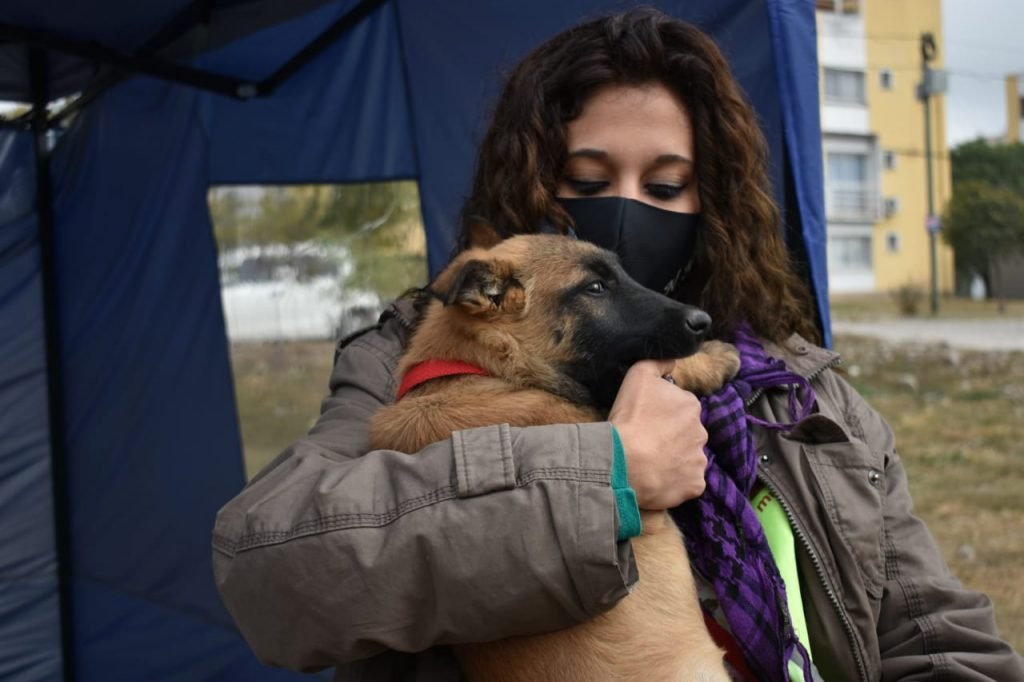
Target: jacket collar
(801, 356)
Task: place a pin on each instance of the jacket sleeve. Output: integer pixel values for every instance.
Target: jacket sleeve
(930, 627)
(333, 553)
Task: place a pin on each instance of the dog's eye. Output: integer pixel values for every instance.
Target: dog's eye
(596, 288)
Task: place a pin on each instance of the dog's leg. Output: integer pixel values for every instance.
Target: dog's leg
(709, 369)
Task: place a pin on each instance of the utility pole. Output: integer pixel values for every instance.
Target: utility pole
(932, 82)
(1014, 99)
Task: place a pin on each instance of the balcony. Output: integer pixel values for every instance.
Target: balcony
(851, 203)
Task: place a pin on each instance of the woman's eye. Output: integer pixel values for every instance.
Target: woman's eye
(586, 187)
(596, 288)
(663, 191)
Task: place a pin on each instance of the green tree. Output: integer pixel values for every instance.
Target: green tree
(983, 224)
(378, 223)
(225, 210)
(387, 242)
(997, 165)
(983, 220)
(288, 214)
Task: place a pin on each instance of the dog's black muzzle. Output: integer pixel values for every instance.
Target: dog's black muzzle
(640, 325)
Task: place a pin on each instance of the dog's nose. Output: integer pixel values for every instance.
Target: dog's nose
(698, 322)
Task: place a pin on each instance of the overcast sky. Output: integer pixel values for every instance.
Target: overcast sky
(984, 41)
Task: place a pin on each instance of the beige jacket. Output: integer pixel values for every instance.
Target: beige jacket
(333, 556)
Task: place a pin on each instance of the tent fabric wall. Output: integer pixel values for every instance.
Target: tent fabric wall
(152, 440)
(153, 446)
(796, 66)
(30, 646)
(344, 118)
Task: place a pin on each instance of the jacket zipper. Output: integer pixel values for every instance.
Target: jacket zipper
(805, 543)
(399, 316)
(837, 360)
(822, 578)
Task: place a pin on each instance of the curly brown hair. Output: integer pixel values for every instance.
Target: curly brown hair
(742, 271)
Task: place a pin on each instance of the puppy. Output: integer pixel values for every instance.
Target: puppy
(553, 324)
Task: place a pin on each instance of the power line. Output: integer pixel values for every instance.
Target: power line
(997, 48)
(982, 75)
(918, 153)
(906, 37)
(907, 68)
(959, 73)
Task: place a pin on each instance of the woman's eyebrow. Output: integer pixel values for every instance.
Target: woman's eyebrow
(673, 158)
(589, 153)
(600, 155)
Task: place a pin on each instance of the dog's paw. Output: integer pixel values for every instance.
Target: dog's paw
(725, 357)
(714, 365)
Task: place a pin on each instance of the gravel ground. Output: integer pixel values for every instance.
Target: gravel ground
(982, 334)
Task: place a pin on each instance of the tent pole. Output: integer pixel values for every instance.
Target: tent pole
(170, 71)
(331, 35)
(146, 59)
(197, 12)
(38, 70)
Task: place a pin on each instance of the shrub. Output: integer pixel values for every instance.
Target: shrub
(908, 299)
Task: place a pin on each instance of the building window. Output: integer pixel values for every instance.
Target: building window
(849, 254)
(889, 160)
(849, 193)
(847, 168)
(842, 6)
(885, 79)
(891, 206)
(892, 242)
(844, 86)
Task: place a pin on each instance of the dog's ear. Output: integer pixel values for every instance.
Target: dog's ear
(482, 234)
(483, 286)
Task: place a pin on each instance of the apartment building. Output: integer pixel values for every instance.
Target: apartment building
(873, 142)
(1014, 108)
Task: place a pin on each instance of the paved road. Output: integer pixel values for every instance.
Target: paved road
(986, 334)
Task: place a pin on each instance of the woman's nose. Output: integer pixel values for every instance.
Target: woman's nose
(629, 189)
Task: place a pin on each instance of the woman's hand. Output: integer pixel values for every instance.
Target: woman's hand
(659, 424)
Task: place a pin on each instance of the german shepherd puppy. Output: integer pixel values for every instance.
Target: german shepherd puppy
(556, 323)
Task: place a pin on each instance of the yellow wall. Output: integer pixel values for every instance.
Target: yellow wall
(897, 118)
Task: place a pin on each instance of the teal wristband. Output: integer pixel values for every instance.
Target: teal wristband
(630, 525)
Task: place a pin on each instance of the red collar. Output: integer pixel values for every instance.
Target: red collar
(425, 371)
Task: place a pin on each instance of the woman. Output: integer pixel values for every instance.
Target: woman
(338, 556)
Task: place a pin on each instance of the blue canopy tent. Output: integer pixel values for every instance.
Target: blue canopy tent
(118, 432)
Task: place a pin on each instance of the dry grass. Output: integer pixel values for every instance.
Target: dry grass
(278, 386)
(958, 416)
(884, 306)
(959, 423)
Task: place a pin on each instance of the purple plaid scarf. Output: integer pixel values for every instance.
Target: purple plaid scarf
(724, 537)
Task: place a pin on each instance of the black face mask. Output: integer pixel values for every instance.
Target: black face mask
(655, 246)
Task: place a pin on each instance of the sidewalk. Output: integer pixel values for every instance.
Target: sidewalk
(981, 334)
